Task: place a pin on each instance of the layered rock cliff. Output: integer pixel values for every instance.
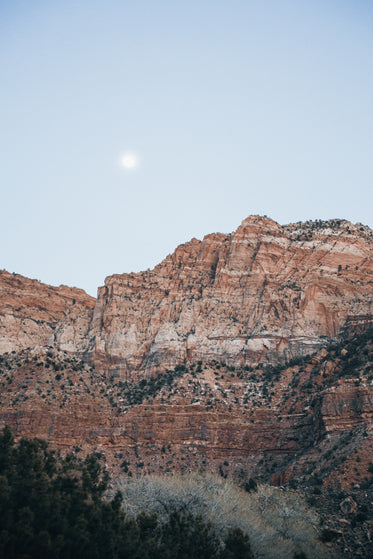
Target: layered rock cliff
(180, 368)
(263, 293)
(34, 314)
(274, 423)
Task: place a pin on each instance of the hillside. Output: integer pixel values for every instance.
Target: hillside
(247, 355)
(306, 425)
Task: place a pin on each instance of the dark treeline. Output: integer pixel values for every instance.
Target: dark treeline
(54, 507)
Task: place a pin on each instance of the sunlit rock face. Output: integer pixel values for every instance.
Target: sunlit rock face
(34, 314)
(263, 293)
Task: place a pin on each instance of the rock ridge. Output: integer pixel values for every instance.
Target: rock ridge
(265, 292)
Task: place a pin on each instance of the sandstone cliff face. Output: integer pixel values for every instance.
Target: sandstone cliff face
(34, 314)
(346, 406)
(263, 293)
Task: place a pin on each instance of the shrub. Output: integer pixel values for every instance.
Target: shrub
(278, 523)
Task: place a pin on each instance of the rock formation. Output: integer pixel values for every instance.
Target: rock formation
(34, 314)
(263, 293)
(204, 362)
(273, 423)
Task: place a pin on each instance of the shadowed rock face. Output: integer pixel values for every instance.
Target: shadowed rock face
(263, 293)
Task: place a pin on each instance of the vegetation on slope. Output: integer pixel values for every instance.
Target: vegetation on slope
(54, 507)
(331, 464)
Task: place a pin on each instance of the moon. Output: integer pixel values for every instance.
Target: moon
(130, 160)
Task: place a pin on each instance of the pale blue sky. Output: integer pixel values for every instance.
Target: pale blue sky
(233, 107)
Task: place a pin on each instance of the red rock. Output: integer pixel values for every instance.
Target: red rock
(34, 314)
(262, 293)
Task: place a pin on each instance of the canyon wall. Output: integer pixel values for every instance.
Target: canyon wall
(263, 293)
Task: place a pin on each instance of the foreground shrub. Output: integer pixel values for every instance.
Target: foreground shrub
(278, 523)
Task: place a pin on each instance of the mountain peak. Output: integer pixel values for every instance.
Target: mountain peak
(259, 220)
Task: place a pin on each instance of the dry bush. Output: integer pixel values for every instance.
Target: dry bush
(279, 523)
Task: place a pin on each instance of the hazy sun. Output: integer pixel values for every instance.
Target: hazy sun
(130, 160)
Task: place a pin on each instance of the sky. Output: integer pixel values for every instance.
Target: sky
(129, 127)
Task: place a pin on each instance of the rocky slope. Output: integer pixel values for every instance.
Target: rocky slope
(271, 422)
(204, 363)
(263, 293)
(307, 425)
